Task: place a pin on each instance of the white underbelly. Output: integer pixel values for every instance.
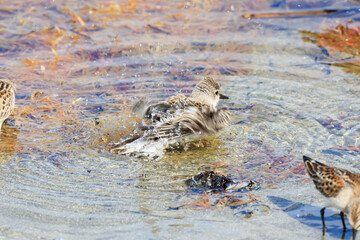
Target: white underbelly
(342, 199)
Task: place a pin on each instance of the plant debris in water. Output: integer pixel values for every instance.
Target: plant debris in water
(338, 39)
(209, 201)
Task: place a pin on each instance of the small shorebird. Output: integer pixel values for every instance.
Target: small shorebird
(178, 117)
(7, 99)
(340, 187)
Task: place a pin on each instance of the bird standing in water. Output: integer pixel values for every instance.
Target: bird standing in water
(340, 187)
(179, 116)
(7, 99)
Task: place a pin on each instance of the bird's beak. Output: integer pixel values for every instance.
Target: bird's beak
(223, 96)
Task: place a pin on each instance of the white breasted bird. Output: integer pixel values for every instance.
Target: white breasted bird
(179, 116)
(340, 187)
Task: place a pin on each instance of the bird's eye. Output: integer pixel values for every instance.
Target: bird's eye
(217, 93)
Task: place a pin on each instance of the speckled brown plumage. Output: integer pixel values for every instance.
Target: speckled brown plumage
(340, 187)
(7, 99)
(329, 180)
(189, 115)
(193, 121)
(179, 116)
(167, 108)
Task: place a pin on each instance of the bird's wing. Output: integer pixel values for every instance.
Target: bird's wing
(6, 85)
(158, 111)
(192, 121)
(348, 177)
(7, 98)
(329, 180)
(167, 109)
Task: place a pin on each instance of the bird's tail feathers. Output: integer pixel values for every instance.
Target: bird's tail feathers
(140, 147)
(313, 167)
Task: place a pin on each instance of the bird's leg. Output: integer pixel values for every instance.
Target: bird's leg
(354, 234)
(343, 220)
(322, 211)
(343, 234)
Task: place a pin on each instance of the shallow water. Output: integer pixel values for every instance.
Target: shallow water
(79, 67)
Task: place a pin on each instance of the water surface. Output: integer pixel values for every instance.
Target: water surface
(80, 66)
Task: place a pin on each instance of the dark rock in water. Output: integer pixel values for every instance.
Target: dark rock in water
(215, 182)
(210, 180)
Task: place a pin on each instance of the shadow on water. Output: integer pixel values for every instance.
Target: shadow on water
(310, 215)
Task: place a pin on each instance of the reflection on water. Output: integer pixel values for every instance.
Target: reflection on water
(79, 67)
(8, 140)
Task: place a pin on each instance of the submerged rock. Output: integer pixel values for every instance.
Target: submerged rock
(212, 181)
